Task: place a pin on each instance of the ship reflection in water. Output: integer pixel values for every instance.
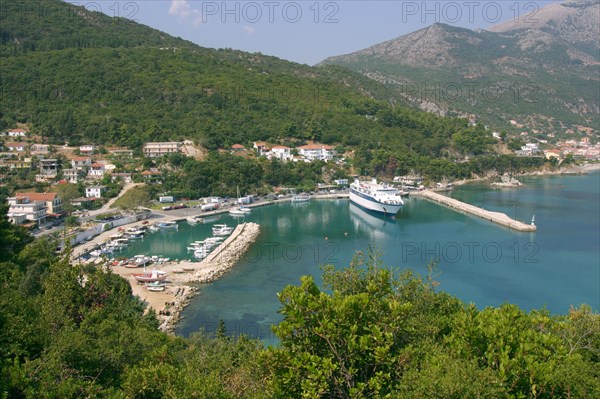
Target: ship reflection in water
(372, 223)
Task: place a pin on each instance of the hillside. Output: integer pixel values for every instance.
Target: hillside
(76, 75)
(545, 75)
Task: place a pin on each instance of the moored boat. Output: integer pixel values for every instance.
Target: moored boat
(222, 230)
(156, 286)
(167, 224)
(376, 197)
(155, 275)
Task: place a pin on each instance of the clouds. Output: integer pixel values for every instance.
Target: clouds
(249, 30)
(184, 10)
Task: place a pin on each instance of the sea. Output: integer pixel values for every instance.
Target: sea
(480, 262)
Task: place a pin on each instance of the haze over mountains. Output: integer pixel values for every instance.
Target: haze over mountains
(542, 70)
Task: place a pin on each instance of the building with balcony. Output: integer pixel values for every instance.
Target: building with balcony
(95, 191)
(318, 152)
(48, 169)
(34, 208)
(154, 150)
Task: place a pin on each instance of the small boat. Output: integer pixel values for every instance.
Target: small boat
(167, 225)
(301, 198)
(195, 219)
(154, 276)
(156, 286)
(237, 212)
(222, 230)
(135, 231)
(140, 260)
(245, 209)
(177, 271)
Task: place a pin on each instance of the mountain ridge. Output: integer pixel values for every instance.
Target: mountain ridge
(555, 60)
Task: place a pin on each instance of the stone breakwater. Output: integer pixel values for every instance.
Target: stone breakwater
(221, 260)
(496, 217)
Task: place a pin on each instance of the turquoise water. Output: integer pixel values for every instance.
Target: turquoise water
(480, 262)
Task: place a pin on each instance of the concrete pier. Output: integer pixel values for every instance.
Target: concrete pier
(496, 217)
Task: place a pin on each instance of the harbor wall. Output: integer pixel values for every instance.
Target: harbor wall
(496, 217)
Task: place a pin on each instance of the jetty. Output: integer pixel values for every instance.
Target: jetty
(496, 217)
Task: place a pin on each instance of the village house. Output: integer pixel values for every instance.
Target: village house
(15, 147)
(281, 152)
(95, 191)
(318, 152)
(48, 169)
(96, 170)
(72, 175)
(87, 149)
(237, 148)
(81, 163)
(261, 147)
(152, 176)
(35, 207)
(154, 150)
(16, 133)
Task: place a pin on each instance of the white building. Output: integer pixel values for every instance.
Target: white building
(96, 170)
(281, 152)
(71, 175)
(81, 163)
(87, 148)
(95, 191)
(154, 150)
(35, 207)
(16, 133)
(261, 147)
(15, 147)
(319, 152)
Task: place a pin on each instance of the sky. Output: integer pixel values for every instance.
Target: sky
(306, 31)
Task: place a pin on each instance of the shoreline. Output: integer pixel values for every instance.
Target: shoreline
(169, 304)
(181, 288)
(570, 170)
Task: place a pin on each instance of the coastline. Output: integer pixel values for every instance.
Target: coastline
(568, 170)
(183, 287)
(169, 304)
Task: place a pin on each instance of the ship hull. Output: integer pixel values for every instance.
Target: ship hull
(371, 204)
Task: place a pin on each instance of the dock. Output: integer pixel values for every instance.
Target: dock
(496, 217)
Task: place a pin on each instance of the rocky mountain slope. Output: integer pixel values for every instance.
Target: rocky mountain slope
(543, 71)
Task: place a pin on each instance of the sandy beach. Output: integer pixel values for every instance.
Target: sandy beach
(169, 303)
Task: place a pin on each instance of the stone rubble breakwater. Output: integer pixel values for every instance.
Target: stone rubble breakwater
(215, 265)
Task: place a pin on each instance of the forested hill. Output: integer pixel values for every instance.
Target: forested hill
(79, 76)
(41, 25)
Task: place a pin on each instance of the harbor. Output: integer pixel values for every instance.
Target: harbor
(167, 291)
(496, 217)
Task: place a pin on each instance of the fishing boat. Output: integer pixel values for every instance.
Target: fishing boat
(140, 260)
(195, 219)
(222, 230)
(177, 270)
(156, 286)
(155, 275)
(167, 225)
(135, 231)
(301, 197)
(237, 212)
(376, 197)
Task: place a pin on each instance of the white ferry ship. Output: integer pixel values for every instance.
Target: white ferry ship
(376, 197)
